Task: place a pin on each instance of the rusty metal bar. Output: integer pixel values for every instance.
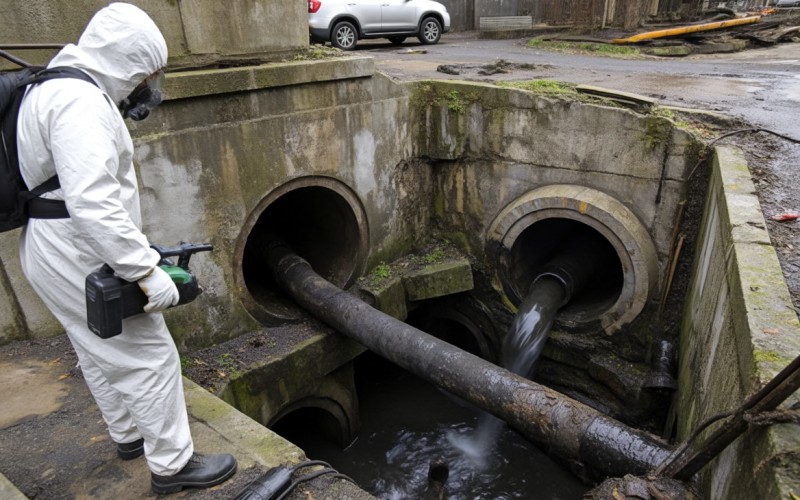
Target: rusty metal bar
(687, 460)
(556, 423)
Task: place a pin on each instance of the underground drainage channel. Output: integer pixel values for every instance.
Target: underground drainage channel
(328, 229)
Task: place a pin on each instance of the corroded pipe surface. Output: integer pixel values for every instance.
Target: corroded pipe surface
(557, 424)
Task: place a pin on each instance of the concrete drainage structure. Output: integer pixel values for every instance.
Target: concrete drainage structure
(527, 232)
(359, 171)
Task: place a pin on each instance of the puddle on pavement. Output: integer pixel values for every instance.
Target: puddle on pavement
(28, 389)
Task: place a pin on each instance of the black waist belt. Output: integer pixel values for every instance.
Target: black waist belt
(42, 208)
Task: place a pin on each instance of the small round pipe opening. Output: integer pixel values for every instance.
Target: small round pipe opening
(322, 221)
(548, 239)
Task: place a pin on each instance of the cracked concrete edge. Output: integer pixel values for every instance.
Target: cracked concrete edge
(261, 444)
(8, 491)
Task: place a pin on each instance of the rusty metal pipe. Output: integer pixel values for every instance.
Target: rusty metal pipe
(556, 423)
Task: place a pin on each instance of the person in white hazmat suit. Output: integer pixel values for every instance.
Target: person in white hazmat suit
(74, 129)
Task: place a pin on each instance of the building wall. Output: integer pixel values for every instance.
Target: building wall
(197, 31)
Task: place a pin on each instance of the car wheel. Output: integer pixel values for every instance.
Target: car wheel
(430, 31)
(397, 40)
(344, 36)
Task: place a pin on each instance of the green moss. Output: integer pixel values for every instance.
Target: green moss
(547, 87)
(770, 357)
(316, 52)
(228, 364)
(381, 272)
(185, 363)
(432, 257)
(658, 130)
(603, 49)
(430, 95)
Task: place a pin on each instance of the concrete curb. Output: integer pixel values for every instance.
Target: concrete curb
(8, 491)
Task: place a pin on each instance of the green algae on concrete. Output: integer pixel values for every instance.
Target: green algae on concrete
(264, 446)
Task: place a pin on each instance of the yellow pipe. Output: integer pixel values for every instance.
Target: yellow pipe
(688, 29)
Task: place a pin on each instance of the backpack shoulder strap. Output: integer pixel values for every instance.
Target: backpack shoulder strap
(37, 207)
(60, 72)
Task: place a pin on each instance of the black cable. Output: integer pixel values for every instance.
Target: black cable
(740, 131)
(327, 470)
(309, 477)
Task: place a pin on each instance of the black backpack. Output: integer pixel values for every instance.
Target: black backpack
(17, 202)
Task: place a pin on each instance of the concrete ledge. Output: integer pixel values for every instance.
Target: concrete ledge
(436, 280)
(201, 83)
(739, 330)
(255, 443)
(8, 491)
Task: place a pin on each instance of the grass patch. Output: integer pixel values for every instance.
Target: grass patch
(549, 87)
(316, 52)
(228, 363)
(434, 256)
(603, 49)
(381, 272)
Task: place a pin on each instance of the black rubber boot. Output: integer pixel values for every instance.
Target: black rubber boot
(202, 471)
(129, 451)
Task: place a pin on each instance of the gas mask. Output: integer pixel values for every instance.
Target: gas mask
(144, 98)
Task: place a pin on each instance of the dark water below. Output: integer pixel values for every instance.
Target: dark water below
(407, 424)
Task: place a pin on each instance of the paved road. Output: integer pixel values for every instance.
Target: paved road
(762, 86)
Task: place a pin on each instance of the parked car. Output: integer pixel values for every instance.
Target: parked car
(344, 22)
(788, 3)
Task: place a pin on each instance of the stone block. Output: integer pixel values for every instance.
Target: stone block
(436, 280)
(389, 297)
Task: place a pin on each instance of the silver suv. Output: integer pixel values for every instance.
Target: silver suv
(344, 22)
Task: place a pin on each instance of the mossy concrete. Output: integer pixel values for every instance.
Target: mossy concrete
(739, 330)
(438, 279)
(261, 445)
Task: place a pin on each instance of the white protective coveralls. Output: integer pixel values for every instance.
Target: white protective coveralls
(70, 127)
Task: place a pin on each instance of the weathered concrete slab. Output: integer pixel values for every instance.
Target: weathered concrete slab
(389, 297)
(436, 280)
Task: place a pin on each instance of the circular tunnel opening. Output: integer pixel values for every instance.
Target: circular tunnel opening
(460, 320)
(310, 423)
(554, 238)
(322, 221)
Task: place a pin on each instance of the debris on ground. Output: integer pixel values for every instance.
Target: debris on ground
(717, 31)
(641, 488)
(501, 66)
(413, 51)
(786, 216)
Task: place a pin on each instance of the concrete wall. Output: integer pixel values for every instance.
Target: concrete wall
(502, 143)
(196, 31)
(739, 330)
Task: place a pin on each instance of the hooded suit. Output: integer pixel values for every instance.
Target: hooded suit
(74, 129)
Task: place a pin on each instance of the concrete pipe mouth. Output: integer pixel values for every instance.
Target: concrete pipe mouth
(545, 222)
(322, 220)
